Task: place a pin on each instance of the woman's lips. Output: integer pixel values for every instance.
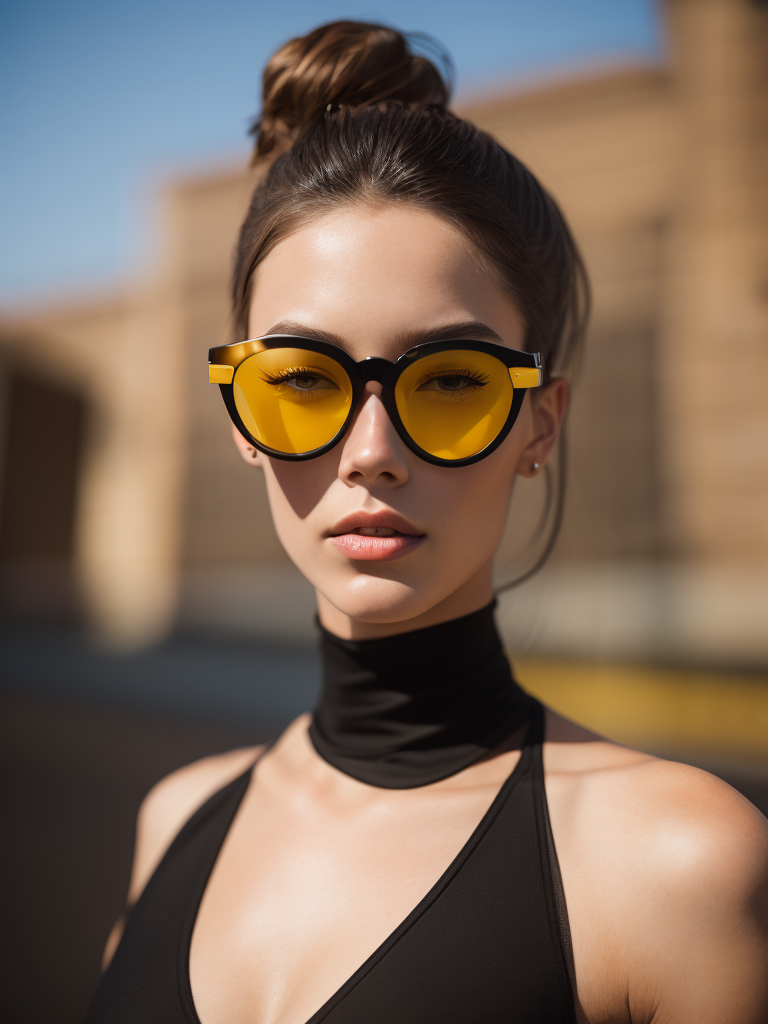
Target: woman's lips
(375, 545)
(375, 536)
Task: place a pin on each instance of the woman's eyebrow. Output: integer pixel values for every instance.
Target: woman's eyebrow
(310, 333)
(473, 330)
(469, 329)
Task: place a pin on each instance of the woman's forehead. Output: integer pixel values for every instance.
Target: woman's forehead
(359, 248)
(383, 275)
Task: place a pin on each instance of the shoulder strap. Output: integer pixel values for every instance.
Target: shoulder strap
(553, 883)
(224, 801)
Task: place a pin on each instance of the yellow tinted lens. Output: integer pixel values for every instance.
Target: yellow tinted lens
(292, 400)
(454, 403)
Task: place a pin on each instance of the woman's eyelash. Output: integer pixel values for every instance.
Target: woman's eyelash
(474, 375)
(293, 371)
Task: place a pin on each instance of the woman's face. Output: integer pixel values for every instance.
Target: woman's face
(388, 540)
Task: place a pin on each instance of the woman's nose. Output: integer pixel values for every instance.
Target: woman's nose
(372, 452)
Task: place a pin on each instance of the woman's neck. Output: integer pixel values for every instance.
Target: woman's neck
(408, 710)
(476, 593)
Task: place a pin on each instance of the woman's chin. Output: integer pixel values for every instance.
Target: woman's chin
(376, 600)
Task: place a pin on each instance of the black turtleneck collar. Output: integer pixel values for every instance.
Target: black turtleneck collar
(411, 709)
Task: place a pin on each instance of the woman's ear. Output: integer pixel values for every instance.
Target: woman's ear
(548, 408)
(250, 455)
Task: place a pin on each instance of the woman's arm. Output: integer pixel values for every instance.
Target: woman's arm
(666, 875)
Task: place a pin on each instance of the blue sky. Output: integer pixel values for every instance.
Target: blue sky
(102, 99)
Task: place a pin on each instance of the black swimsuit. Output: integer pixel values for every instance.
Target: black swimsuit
(488, 943)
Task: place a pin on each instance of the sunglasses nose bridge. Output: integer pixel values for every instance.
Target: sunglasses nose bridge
(375, 369)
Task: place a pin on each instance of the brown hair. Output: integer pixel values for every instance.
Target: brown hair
(368, 123)
(344, 63)
(363, 119)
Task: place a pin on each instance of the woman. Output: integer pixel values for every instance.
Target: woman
(431, 844)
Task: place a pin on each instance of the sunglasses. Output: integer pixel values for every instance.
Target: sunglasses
(451, 402)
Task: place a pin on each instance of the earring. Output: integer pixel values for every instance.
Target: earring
(535, 467)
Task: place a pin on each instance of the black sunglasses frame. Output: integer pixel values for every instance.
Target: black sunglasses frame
(383, 372)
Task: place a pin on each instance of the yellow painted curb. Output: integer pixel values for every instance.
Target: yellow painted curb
(658, 708)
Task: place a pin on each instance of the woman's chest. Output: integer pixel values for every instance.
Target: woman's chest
(442, 915)
(302, 895)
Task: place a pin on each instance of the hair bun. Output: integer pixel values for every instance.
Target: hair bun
(352, 63)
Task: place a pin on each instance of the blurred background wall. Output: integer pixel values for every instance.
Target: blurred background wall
(665, 549)
(149, 614)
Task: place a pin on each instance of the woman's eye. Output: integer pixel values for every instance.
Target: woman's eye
(305, 382)
(450, 383)
(311, 382)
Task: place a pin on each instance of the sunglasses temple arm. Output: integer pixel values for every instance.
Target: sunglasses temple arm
(220, 373)
(526, 376)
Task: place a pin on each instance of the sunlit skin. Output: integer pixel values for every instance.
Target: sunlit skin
(665, 868)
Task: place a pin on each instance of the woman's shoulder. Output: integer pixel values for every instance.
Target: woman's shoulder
(678, 818)
(643, 788)
(173, 800)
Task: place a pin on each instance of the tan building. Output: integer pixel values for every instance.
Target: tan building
(119, 473)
